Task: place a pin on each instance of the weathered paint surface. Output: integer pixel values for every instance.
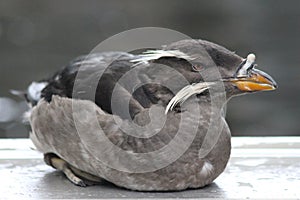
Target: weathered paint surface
(260, 168)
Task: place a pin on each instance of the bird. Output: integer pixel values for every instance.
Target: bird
(147, 121)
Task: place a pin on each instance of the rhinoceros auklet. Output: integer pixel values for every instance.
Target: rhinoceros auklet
(151, 121)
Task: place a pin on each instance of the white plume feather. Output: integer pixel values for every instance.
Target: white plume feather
(156, 54)
(186, 92)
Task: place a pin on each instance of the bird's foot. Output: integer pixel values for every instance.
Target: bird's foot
(69, 171)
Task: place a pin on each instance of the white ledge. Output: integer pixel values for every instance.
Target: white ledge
(241, 147)
(259, 168)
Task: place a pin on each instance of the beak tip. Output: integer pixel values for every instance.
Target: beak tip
(273, 83)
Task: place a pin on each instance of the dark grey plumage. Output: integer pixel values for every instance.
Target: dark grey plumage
(55, 130)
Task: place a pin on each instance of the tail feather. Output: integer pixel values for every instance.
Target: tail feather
(33, 93)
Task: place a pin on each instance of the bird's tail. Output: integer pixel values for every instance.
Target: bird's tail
(33, 93)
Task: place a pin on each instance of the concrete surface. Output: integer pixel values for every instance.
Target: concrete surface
(260, 168)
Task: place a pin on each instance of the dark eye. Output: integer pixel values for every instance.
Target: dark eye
(197, 68)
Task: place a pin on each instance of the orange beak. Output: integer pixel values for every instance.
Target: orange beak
(257, 81)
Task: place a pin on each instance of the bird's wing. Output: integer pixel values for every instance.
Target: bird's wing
(80, 132)
(56, 129)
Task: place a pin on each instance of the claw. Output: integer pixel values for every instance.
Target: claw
(60, 164)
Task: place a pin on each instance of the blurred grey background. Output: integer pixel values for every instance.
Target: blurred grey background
(39, 37)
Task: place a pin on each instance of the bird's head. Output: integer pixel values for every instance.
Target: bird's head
(205, 65)
(239, 75)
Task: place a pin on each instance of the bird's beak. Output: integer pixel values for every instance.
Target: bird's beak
(256, 81)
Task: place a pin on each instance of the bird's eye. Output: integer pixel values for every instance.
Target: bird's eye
(197, 68)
